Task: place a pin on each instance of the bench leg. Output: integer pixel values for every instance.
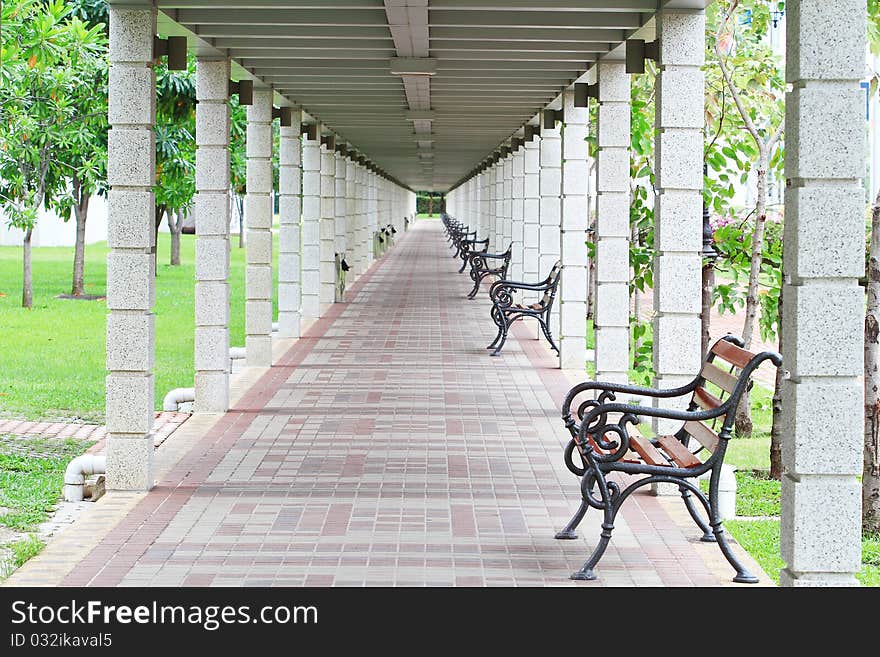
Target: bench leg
(497, 351)
(743, 576)
(477, 280)
(609, 510)
(707, 536)
(569, 533)
(546, 329)
(464, 262)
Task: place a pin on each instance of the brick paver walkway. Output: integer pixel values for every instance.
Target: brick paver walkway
(164, 425)
(387, 448)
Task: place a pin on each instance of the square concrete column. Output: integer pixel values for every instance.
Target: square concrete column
(328, 226)
(131, 294)
(678, 204)
(489, 207)
(507, 201)
(824, 307)
(501, 230)
(311, 224)
(340, 241)
(258, 238)
(531, 214)
(516, 209)
(351, 228)
(572, 338)
(212, 236)
(365, 246)
(550, 231)
(612, 224)
(289, 235)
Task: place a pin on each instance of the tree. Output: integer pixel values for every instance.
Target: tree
(175, 149)
(238, 161)
(49, 58)
(871, 460)
(86, 156)
(753, 79)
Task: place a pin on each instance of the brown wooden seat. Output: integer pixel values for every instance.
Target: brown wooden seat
(605, 439)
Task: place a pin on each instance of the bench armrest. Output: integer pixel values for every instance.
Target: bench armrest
(607, 395)
(483, 254)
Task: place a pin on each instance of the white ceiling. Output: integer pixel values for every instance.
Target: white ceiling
(497, 62)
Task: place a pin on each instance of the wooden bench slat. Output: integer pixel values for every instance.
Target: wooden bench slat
(714, 374)
(702, 434)
(680, 454)
(732, 354)
(650, 454)
(706, 399)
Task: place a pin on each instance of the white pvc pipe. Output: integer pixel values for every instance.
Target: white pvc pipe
(176, 397)
(727, 493)
(77, 471)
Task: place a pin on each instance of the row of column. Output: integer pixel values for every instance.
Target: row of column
(330, 204)
(823, 260)
(823, 305)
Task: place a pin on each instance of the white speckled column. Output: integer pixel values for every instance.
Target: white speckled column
(290, 227)
(507, 202)
(573, 237)
(531, 213)
(212, 237)
(328, 226)
(351, 227)
(612, 224)
(311, 224)
(550, 183)
(824, 306)
(341, 223)
(516, 208)
(131, 174)
(258, 238)
(501, 229)
(678, 204)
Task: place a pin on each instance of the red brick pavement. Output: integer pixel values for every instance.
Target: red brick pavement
(165, 424)
(387, 448)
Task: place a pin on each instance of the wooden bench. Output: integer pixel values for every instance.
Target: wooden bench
(484, 265)
(605, 440)
(505, 312)
(468, 246)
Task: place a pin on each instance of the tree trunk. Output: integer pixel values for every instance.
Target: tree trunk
(174, 227)
(160, 211)
(776, 428)
(431, 205)
(743, 414)
(240, 203)
(706, 307)
(871, 467)
(81, 212)
(27, 288)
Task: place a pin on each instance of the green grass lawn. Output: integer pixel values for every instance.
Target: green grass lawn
(52, 357)
(31, 479)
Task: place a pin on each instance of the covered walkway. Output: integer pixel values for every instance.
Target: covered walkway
(383, 448)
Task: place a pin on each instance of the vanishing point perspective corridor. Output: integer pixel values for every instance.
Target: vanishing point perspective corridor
(387, 448)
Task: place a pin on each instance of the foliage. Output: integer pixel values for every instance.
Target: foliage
(52, 62)
(641, 255)
(740, 122)
(175, 137)
(733, 242)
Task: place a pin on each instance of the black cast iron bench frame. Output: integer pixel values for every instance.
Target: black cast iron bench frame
(505, 312)
(601, 445)
(485, 264)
